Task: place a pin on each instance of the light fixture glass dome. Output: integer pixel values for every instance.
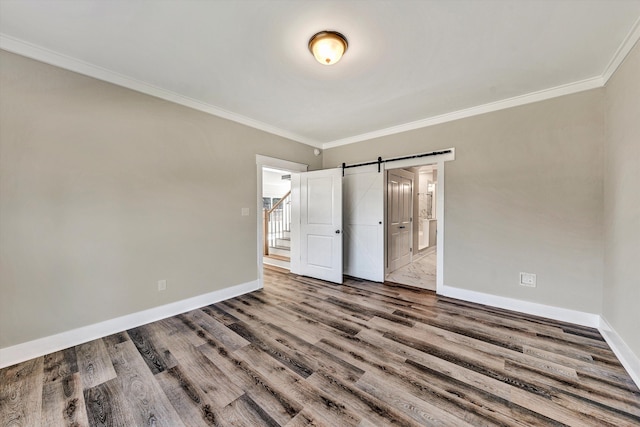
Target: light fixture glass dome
(328, 47)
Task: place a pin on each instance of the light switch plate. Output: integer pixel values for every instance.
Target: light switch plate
(244, 212)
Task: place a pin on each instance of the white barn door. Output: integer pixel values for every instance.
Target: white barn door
(316, 224)
(363, 218)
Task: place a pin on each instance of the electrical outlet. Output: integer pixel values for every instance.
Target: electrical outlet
(244, 212)
(162, 285)
(528, 279)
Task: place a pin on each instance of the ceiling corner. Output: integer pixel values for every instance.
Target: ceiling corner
(622, 52)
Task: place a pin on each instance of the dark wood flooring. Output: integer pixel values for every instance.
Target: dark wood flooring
(304, 352)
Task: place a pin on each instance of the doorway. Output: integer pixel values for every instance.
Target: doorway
(281, 168)
(399, 218)
(276, 213)
(365, 251)
(412, 226)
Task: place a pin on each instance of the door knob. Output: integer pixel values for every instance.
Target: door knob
(402, 226)
(337, 231)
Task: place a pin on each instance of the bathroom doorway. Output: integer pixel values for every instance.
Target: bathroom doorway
(420, 266)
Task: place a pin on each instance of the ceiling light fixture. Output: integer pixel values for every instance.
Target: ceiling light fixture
(328, 46)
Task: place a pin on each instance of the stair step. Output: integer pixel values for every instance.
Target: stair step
(283, 242)
(279, 251)
(279, 257)
(278, 261)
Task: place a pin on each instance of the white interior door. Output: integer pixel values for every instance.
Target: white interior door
(363, 216)
(399, 217)
(316, 229)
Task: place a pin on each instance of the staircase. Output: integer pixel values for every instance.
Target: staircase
(277, 233)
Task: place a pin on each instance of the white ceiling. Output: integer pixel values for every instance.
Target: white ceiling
(409, 63)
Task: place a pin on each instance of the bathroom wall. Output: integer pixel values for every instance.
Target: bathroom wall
(426, 203)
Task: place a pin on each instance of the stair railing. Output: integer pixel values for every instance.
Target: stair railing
(277, 222)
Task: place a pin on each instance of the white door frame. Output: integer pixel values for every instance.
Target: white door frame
(272, 162)
(440, 160)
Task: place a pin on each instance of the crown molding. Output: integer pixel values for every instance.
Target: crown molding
(622, 52)
(63, 61)
(50, 57)
(529, 98)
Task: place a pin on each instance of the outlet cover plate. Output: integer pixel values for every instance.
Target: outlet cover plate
(528, 279)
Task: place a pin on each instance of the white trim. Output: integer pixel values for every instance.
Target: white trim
(527, 307)
(39, 347)
(622, 52)
(51, 57)
(626, 356)
(541, 95)
(272, 162)
(48, 56)
(440, 222)
(294, 256)
(629, 360)
(421, 161)
(276, 163)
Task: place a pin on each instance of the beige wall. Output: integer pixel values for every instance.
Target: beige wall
(104, 191)
(525, 193)
(622, 201)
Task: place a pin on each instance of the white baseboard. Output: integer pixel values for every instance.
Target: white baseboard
(36, 348)
(623, 352)
(626, 356)
(550, 312)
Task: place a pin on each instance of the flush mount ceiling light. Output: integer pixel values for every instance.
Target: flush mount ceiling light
(328, 46)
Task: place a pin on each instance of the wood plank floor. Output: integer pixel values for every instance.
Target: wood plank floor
(303, 352)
